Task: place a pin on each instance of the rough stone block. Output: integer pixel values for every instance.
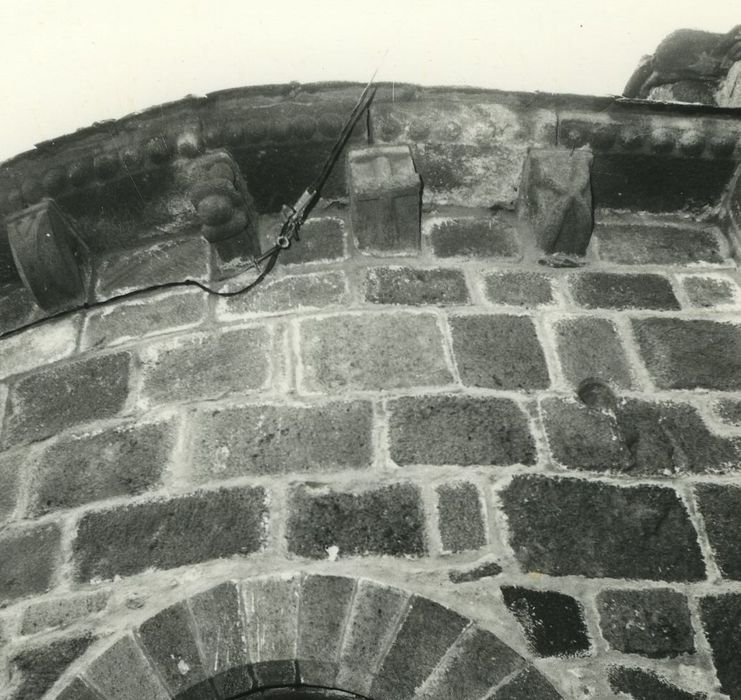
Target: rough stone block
(385, 201)
(222, 638)
(323, 613)
(527, 685)
(151, 265)
(499, 352)
(695, 354)
(627, 244)
(460, 517)
(48, 401)
(425, 635)
(376, 610)
(608, 290)
(459, 430)
(207, 366)
(271, 620)
(122, 461)
(477, 663)
(653, 622)
(571, 526)
(474, 238)
(729, 411)
(167, 639)
(721, 618)
(374, 351)
(17, 307)
(136, 319)
(280, 439)
(591, 348)
(415, 286)
(36, 669)
(720, 505)
(387, 520)
(77, 690)
(28, 559)
(62, 612)
(38, 346)
(122, 671)
(646, 685)
(294, 293)
(11, 466)
(707, 292)
(490, 568)
(528, 289)
(556, 199)
(322, 240)
(553, 623)
(169, 533)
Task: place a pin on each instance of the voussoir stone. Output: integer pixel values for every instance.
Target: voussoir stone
(28, 559)
(721, 618)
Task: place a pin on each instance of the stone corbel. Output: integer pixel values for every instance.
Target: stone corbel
(225, 208)
(555, 200)
(50, 257)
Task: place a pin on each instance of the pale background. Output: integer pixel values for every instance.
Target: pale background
(66, 64)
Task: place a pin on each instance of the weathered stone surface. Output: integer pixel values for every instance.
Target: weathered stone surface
(29, 558)
(721, 618)
(527, 685)
(707, 292)
(36, 669)
(222, 638)
(459, 430)
(499, 352)
(682, 354)
(385, 204)
(477, 238)
(77, 690)
(553, 623)
(48, 401)
(609, 290)
(62, 612)
(167, 639)
(17, 307)
(556, 199)
(415, 286)
(123, 672)
(370, 628)
(628, 244)
(132, 320)
(527, 289)
(653, 622)
(322, 239)
(169, 533)
(460, 517)
(729, 411)
(10, 473)
(646, 685)
(294, 293)
(151, 265)
(280, 439)
(387, 520)
(477, 663)
(122, 461)
(323, 612)
(38, 346)
(637, 437)
(374, 351)
(720, 505)
(571, 526)
(591, 348)
(427, 632)
(207, 366)
(486, 570)
(271, 622)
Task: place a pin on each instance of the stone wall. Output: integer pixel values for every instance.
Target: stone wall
(546, 458)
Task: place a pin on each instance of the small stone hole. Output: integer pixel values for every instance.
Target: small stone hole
(597, 394)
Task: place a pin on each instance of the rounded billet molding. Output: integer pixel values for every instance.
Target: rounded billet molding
(54, 180)
(158, 150)
(723, 145)
(691, 143)
(80, 173)
(662, 140)
(106, 165)
(350, 635)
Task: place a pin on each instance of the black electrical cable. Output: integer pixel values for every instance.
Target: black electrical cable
(288, 233)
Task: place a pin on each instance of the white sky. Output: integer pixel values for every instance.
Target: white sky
(67, 63)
